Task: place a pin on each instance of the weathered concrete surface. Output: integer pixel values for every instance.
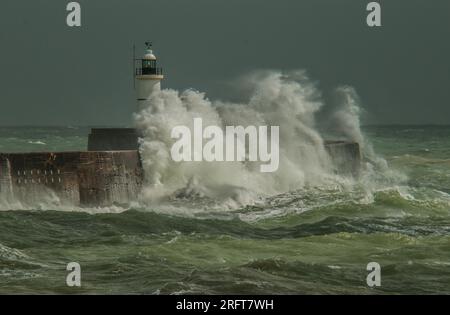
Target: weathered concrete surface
(80, 178)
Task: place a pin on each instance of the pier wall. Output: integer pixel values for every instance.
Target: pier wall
(90, 178)
(345, 156)
(110, 172)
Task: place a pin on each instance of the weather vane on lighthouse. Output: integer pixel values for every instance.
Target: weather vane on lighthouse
(147, 76)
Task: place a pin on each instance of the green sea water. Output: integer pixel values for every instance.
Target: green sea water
(317, 240)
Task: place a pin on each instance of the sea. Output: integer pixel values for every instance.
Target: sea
(313, 240)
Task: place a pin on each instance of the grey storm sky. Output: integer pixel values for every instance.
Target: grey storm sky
(51, 74)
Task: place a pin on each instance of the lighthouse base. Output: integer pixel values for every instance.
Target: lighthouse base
(113, 139)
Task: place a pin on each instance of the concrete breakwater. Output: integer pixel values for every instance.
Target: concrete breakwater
(110, 172)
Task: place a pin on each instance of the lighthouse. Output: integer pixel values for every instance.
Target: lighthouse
(147, 76)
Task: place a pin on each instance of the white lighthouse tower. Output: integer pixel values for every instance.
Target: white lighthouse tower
(148, 76)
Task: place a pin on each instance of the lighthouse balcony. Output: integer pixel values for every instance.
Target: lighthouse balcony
(149, 71)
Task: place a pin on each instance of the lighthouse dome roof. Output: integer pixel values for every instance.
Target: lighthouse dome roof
(149, 55)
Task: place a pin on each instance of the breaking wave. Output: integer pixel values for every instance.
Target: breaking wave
(289, 100)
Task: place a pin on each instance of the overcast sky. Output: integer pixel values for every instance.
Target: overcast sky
(51, 74)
